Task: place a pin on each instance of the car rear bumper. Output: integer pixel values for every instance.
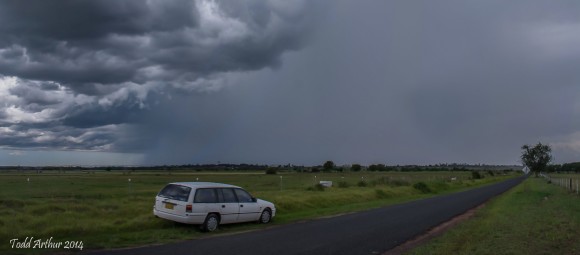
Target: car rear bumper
(188, 219)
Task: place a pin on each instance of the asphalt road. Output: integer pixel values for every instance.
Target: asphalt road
(369, 232)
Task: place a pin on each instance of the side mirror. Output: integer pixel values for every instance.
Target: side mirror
(254, 199)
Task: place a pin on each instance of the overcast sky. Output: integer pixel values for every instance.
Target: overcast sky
(125, 82)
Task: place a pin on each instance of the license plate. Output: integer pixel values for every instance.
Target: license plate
(169, 206)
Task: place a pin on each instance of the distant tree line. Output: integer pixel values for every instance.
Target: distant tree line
(328, 166)
(197, 167)
(567, 167)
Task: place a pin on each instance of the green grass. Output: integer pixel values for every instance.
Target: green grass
(533, 218)
(105, 210)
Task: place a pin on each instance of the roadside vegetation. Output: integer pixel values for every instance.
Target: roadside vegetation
(533, 218)
(106, 209)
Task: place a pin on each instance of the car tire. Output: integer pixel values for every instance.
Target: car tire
(266, 216)
(211, 223)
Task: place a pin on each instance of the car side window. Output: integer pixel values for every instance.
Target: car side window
(244, 196)
(205, 196)
(229, 196)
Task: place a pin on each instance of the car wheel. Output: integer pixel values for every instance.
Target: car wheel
(211, 223)
(266, 216)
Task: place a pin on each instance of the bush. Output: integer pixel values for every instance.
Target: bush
(421, 186)
(343, 184)
(380, 181)
(271, 171)
(379, 193)
(316, 187)
(390, 182)
(361, 184)
(476, 175)
(397, 183)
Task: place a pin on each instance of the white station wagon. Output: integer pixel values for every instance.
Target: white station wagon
(210, 204)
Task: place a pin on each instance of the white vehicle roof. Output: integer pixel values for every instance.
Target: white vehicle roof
(197, 185)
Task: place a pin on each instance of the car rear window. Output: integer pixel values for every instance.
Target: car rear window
(205, 196)
(176, 192)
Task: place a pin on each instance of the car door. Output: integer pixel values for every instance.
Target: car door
(228, 206)
(205, 201)
(249, 208)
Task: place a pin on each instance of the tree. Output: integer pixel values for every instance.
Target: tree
(377, 167)
(536, 158)
(271, 170)
(328, 165)
(355, 167)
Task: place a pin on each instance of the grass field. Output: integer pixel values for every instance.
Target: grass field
(114, 209)
(533, 218)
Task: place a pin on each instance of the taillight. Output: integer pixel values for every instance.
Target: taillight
(188, 208)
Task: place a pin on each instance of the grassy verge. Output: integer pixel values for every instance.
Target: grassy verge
(533, 218)
(108, 209)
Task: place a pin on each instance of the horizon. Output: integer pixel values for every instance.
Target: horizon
(260, 165)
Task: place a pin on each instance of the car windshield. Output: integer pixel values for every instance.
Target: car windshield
(176, 192)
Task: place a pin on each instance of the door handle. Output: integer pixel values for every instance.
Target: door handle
(241, 205)
(223, 206)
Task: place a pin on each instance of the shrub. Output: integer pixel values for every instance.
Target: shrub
(316, 187)
(397, 183)
(361, 184)
(380, 181)
(421, 186)
(379, 193)
(476, 175)
(271, 171)
(390, 182)
(436, 186)
(343, 184)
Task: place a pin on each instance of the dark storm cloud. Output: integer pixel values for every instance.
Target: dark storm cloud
(65, 20)
(81, 69)
(109, 42)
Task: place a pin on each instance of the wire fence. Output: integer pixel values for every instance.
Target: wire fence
(569, 183)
